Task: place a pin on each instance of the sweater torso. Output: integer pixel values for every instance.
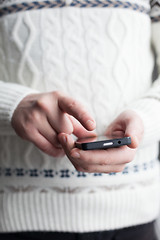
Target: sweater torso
(103, 58)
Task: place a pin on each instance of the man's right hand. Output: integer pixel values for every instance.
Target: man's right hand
(39, 118)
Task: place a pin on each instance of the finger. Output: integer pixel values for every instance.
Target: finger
(75, 109)
(67, 142)
(49, 133)
(79, 130)
(116, 129)
(113, 156)
(127, 125)
(60, 121)
(48, 105)
(114, 134)
(101, 169)
(44, 145)
(134, 130)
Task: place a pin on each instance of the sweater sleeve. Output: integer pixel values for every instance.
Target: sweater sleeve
(148, 106)
(10, 96)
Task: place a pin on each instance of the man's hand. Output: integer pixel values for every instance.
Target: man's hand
(40, 117)
(126, 124)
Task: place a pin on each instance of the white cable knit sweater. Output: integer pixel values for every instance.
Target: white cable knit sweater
(103, 57)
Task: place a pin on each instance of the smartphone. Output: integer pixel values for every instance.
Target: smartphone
(101, 142)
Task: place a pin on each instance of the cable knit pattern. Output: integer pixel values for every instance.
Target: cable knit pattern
(103, 58)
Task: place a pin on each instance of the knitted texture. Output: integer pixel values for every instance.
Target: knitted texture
(103, 58)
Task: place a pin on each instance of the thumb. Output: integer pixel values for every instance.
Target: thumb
(134, 129)
(127, 124)
(66, 141)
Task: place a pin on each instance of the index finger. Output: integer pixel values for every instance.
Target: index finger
(77, 110)
(112, 156)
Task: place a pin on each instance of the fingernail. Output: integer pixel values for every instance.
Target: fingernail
(90, 123)
(75, 155)
(64, 139)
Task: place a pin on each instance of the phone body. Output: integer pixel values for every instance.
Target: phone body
(101, 142)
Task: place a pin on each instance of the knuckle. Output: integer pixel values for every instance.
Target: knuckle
(57, 93)
(42, 104)
(83, 114)
(104, 162)
(72, 104)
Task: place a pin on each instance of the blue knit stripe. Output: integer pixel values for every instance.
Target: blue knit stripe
(67, 173)
(27, 6)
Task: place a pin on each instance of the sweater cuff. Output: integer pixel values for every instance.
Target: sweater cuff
(10, 97)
